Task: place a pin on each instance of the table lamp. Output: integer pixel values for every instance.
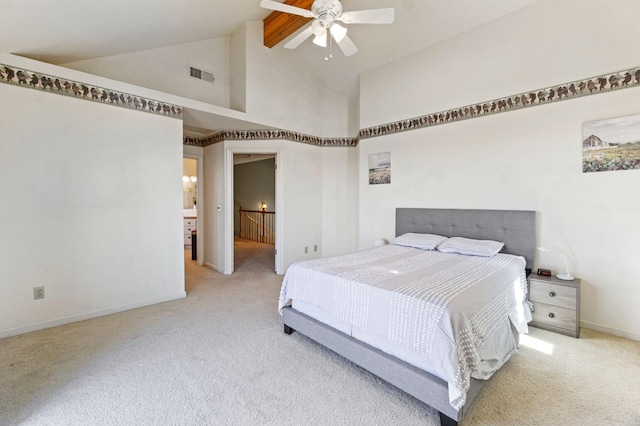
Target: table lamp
(565, 277)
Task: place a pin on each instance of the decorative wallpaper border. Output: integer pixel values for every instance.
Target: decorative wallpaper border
(590, 86)
(62, 86)
(269, 135)
(192, 140)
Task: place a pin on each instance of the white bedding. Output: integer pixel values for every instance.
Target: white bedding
(445, 313)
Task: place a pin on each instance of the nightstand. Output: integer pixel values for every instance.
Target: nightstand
(556, 304)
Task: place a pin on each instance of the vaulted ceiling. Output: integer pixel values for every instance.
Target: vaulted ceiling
(72, 30)
(278, 25)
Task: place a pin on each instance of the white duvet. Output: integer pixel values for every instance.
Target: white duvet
(438, 309)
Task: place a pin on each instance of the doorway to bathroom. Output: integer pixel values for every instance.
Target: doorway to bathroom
(192, 208)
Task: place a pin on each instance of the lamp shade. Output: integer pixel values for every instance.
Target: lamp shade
(338, 32)
(567, 276)
(320, 40)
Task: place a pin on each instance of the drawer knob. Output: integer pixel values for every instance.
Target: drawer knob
(552, 315)
(552, 294)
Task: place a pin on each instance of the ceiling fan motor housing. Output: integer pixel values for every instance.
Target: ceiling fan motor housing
(326, 11)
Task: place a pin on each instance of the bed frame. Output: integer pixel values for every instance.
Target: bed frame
(513, 227)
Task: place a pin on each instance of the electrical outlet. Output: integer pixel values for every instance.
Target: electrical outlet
(38, 293)
(315, 247)
(306, 250)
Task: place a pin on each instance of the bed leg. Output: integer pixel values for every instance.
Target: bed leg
(288, 330)
(447, 421)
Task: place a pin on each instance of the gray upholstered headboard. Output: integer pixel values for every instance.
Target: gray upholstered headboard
(515, 228)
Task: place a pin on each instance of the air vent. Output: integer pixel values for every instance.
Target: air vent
(201, 74)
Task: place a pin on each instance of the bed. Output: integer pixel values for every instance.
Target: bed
(368, 308)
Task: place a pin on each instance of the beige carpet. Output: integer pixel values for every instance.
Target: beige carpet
(251, 256)
(219, 357)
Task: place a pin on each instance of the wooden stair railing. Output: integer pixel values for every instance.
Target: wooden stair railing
(257, 225)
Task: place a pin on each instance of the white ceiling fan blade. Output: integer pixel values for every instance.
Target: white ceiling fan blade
(372, 16)
(297, 40)
(281, 7)
(347, 46)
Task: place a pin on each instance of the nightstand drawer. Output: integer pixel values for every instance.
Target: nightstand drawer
(556, 304)
(552, 294)
(189, 222)
(554, 316)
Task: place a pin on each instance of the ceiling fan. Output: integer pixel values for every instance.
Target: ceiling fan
(325, 14)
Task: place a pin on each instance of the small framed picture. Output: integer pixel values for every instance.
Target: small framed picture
(380, 168)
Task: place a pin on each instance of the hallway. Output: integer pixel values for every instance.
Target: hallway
(252, 256)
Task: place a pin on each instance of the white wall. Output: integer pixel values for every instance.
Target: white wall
(339, 200)
(339, 115)
(282, 92)
(278, 88)
(526, 159)
(167, 69)
(238, 69)
(91, 207)
(189, 150)
(301, 166)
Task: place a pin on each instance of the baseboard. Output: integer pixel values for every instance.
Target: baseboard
(611, 330)
(88, 315)
(214, 267)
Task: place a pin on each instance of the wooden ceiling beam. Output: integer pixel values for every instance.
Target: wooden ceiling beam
(280, 25)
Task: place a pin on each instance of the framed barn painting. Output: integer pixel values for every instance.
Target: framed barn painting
(612, 144)
(379, 168)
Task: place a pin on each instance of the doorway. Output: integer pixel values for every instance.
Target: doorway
(271, 199)
(192, 208)
(254, 212)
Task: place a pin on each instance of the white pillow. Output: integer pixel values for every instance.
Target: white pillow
(471, 247)
(419, 241)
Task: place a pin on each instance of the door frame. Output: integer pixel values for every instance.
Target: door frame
(229, 213)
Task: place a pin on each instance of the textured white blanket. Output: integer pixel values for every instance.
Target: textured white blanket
(442, 306)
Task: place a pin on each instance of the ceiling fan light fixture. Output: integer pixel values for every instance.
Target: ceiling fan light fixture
(325, 13)
(320, 40)
(318, 28)
(338, 32)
